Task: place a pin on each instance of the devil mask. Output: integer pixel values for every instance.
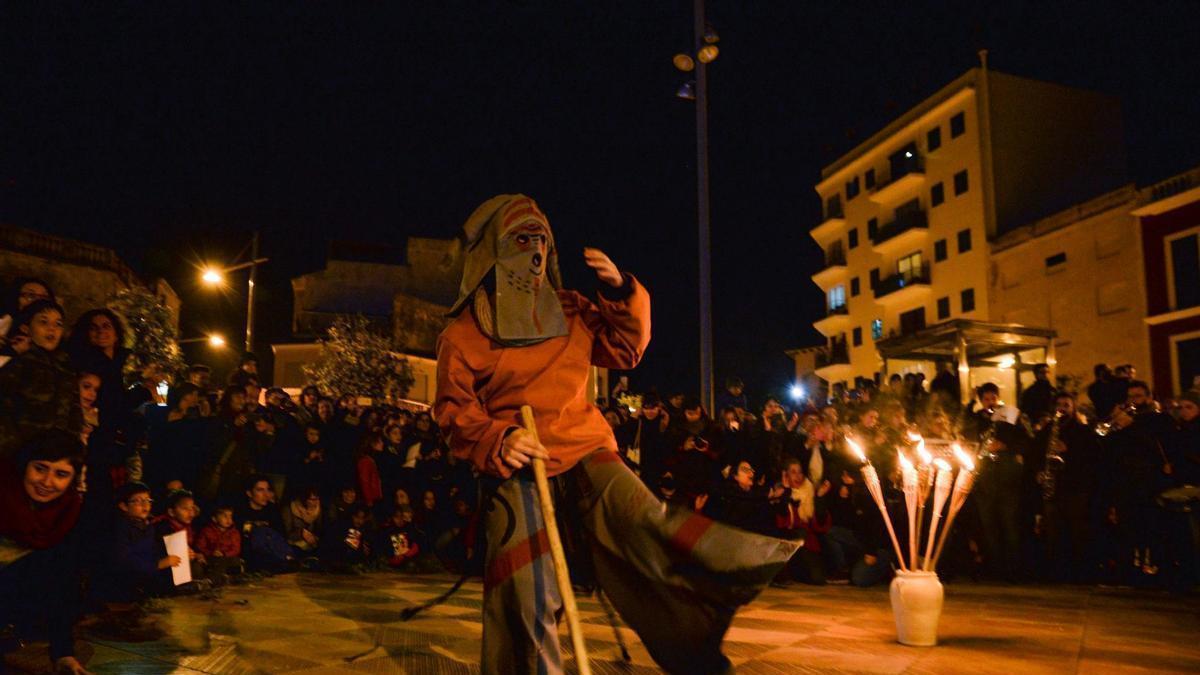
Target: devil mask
(509, 235)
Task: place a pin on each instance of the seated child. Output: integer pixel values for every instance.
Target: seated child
(180, 512)
(137, 560)
(347, 497)
(221, 545)
(302, 521)
(344, 543)
(396, 540)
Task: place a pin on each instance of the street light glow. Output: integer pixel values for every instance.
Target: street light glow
(216, 341)
(212, 276)
(797, 391)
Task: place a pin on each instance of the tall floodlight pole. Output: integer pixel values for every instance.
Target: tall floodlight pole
(704, 52)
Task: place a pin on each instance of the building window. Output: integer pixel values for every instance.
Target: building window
(939, 250)
(874, 278)
(852, 188)
(934, 139)
(1185, 271)
(968, 300)
(943, 308)
(964, 241)
(852, 238)
(837, 297)
(912, 321)
(869, 178)
(858, 337)
(909, 266)
(877, 329)
(872, 227)
(833, 207)
(937, 195)
(960, 182)
(1055, 260)
(854, 287)
(958, 125)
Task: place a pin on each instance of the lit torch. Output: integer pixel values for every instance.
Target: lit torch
(908, 474)
(962, 487)
(941, 490)
(871, 478)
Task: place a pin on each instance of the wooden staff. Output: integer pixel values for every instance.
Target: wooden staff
(556, 549)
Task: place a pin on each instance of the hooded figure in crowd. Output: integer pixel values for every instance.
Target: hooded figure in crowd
(519, 338)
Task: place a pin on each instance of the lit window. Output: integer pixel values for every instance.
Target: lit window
(837, 297)
(877, 329)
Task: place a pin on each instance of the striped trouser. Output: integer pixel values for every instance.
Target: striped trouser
(674, 576)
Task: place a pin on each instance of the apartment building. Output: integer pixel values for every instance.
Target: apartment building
(908, 216)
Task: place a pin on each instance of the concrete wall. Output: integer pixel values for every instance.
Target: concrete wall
(416, 324)
(1095, 301)
(78, 287)
(1052, 146)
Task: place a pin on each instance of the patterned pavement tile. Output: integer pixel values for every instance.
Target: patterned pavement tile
(312, 623)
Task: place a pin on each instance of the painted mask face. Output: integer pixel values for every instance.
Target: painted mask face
(527, 305)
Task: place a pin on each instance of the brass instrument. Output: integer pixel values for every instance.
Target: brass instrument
(1048, 476)
(1106, 427)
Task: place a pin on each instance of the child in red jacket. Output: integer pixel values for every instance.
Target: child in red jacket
(221, 545)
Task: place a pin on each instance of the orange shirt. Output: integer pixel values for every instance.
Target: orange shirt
(481, 385)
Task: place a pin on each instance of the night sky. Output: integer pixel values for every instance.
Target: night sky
(170, 132)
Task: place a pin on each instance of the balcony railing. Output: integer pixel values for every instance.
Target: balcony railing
(901, 169)
(832, 356)
(835, 257)
(903, 223)
(919, 275)
(834, 210)
(840, 310)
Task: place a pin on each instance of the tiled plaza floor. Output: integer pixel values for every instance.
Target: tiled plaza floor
(310, 623)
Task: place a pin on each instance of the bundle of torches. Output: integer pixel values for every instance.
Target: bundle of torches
(932, 476)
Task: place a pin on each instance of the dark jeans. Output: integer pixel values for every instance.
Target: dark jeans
(42, 584)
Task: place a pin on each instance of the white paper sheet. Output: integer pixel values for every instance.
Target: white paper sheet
(177, 545)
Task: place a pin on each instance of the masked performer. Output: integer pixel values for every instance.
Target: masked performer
(519, 338)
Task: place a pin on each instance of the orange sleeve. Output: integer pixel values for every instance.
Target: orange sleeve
(621, 327)
(470, 432)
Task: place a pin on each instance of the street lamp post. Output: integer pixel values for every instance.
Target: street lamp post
(705, 50)
(214, 276)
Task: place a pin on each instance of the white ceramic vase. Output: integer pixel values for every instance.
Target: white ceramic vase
(917, 605)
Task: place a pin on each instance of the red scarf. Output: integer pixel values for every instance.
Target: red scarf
(28, 523)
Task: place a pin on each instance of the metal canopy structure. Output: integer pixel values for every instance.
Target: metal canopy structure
(968, 343)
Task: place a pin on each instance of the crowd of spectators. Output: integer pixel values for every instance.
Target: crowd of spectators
(1109, 506)
(94, 473)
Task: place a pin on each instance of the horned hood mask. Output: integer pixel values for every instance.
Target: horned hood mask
(509, 235)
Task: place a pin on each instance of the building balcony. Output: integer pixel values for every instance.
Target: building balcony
(833, 363)
(836, 321)
(829, 229)
(907, 176)
(907, 233)
(900, 289)
(834, 269)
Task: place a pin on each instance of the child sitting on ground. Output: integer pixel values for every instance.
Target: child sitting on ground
(396, 540)
(221, 545)
(137, 560)
(181, 511)
(344, 544)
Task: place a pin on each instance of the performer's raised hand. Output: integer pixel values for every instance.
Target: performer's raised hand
(519, 448)
(606, 270)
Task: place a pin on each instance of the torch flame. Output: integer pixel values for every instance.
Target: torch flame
(904, 463)
(941, 464)
(963, 458)
(925, 455)
(856, 449)
(913, 436)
